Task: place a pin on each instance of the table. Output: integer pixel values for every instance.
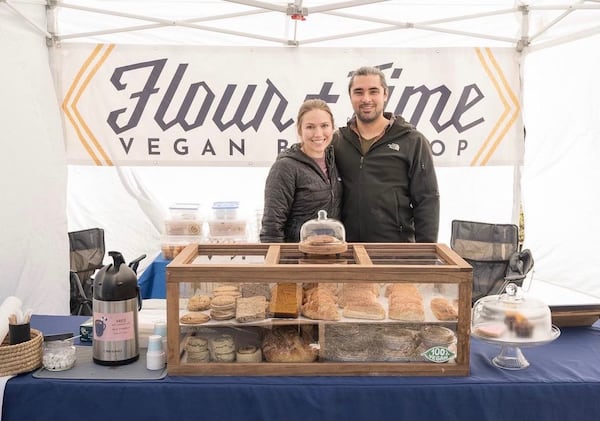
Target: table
(562, 383)
(153, 280)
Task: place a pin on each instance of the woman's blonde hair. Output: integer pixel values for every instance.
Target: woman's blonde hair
(309, 105)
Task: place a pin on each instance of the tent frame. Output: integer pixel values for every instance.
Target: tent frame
(297, 12)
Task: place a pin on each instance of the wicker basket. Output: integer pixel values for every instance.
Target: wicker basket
(23, 357)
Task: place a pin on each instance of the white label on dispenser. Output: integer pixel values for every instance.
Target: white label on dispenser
(113, 326)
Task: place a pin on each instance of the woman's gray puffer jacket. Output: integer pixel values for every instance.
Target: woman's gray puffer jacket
(296, 189)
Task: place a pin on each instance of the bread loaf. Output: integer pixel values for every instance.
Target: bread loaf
(285, 300)
(288, 344)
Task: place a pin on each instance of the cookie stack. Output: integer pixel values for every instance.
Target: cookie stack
(222, 307)
(398, 344)
(197, 350)
(226, 290)
(222, 349)
(347, 342)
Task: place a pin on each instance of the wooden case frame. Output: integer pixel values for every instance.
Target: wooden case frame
(448, 268)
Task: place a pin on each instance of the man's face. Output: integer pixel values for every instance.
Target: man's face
(368, 98)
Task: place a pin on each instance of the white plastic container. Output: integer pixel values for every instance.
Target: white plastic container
(172, 245)
(59, 355)
(227, 228)
(225, 210)
(185, 211)
(183, 227)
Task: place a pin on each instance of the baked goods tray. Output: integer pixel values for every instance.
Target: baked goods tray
(427, 291)
(86, 369)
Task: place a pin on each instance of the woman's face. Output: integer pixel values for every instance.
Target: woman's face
(316, 132)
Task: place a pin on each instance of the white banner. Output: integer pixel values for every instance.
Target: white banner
(230, 106)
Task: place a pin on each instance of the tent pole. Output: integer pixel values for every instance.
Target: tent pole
(567, 38)
(32, 23)
(554, 22)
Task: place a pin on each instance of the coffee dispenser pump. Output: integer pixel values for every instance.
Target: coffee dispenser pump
(116, 304)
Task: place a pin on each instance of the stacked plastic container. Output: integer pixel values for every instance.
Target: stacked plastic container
(226, 225)
(184, 227)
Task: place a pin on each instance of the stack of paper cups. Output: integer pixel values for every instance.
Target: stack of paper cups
(160, 328)
(11, 305)
(155, 358)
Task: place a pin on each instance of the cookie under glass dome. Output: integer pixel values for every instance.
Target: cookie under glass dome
(512, 321)
(322, 235)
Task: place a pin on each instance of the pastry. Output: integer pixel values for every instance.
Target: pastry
(372, 311)
(226, 290)
(319, 293)
(250, 309)
(442, 309)
(222, 307)
(407, 312)
(198, 303)
(362, 286)
(222, 349)
(403, 289)
(491, 330)
(194, 317)
(248, 354)
(319, 240)
(197, 350)
(321, 309)
(356, 296)
(398, 345)
(434, 335)
(523, 328)
(348, 342)
(222, 302)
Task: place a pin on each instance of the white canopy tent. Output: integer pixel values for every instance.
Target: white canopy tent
(557, 43)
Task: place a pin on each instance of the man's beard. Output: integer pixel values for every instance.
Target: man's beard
(368, 118)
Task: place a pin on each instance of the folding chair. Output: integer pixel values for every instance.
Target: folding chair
(86, 254)
(494, 252)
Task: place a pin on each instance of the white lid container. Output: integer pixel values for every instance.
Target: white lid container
(225, 210)
(184, 210)
(183, 227)
(230, 228)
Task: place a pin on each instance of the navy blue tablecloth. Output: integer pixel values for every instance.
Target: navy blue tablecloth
(153, 280)
(562, 383)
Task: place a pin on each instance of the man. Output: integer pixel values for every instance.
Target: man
(390, 186)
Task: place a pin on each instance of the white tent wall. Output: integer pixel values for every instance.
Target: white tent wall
(559, 176)
(561, 173)
(34, 253)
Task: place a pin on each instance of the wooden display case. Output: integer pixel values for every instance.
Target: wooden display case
(434, 269)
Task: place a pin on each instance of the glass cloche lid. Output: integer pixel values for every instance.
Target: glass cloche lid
(512, 317)
(323, 235)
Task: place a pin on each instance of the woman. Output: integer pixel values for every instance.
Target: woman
(303, 179)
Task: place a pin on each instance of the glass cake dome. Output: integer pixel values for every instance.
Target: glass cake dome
(512, 321)
(512, 317)
(323, 235)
